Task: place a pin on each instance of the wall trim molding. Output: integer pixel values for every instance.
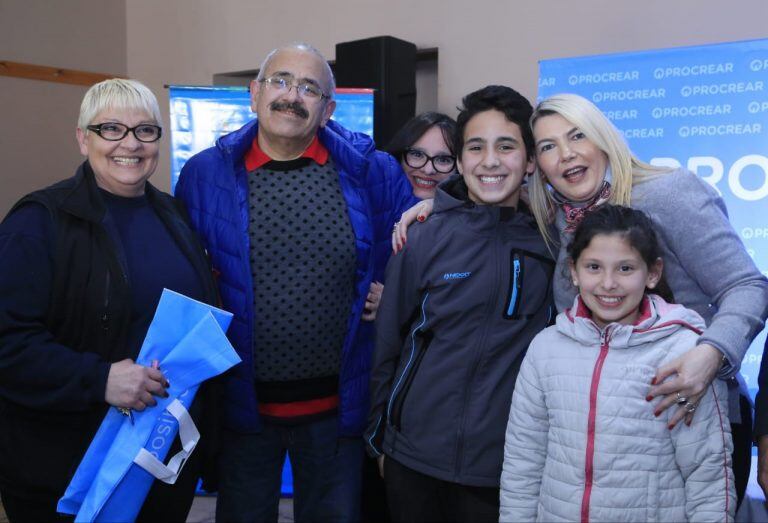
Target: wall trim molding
(51, 74)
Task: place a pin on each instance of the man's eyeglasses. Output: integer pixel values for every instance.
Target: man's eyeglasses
(443, 163)
(283, 84)
(114, 132)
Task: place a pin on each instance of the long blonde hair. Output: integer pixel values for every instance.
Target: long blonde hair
(626, 169)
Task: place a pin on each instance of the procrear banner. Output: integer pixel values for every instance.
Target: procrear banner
(704, 108)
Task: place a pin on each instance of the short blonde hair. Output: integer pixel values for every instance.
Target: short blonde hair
(117, 93)
(626, 169)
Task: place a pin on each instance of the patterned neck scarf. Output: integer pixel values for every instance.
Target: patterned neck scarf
(575, 211)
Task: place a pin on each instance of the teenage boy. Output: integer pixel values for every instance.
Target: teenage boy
(462, 302)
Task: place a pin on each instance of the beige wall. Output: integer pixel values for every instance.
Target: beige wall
(37, 133)
(479, 41)
(188, 41)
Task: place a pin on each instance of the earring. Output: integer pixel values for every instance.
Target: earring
(575, 283)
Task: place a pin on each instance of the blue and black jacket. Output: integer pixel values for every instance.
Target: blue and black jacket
(214, 186)
(461, 304)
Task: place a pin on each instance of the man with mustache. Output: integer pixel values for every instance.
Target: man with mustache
(295, 212)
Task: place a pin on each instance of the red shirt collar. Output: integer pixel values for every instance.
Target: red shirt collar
(256, 158)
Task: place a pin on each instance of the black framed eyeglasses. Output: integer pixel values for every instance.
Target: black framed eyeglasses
(416, 158)
(284, 84)
(114, 131)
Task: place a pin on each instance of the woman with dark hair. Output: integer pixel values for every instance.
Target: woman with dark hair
(424, 146)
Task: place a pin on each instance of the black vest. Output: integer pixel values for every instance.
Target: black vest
(89, 311)
(90, 300)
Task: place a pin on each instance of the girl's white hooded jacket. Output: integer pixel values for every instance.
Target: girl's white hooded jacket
(582, 442)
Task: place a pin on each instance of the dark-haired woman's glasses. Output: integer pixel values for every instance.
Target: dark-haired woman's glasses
(416, 159)
(115, 132)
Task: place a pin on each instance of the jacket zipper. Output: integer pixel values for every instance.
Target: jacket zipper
(105, 314)
(590, 454)
(515, 287)
(515, 305)
(403, 375)
(122, 277)
(492, 303)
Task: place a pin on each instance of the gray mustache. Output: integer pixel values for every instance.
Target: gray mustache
(295, 107)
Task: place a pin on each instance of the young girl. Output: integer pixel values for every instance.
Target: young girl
(581, 442)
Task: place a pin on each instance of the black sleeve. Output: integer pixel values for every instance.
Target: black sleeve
(761, 400)
(35, 370)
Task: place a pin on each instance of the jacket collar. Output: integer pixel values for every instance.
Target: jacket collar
(580, 310)
(256, 157)
(84, 200)
(452, 193)
(348, 149)
(657, 319)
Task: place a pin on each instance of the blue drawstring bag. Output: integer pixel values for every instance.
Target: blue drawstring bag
(127, 454)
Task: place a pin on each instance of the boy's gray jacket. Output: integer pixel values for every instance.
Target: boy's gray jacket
(461, 304)
(583, 443)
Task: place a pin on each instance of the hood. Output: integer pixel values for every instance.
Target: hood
(658, 319)
(452, 193)
(237, 143)
(361, 142)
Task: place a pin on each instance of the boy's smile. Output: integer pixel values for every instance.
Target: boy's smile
(493, 160)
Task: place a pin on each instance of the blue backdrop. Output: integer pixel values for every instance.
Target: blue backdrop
(703, 107)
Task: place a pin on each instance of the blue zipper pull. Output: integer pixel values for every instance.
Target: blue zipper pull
(515, 286)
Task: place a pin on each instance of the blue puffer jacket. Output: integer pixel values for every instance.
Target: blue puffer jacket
(214, 186)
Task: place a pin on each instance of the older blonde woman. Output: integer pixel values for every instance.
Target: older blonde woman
(82, 266)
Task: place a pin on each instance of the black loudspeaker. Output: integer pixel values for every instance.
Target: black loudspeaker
(388, 65)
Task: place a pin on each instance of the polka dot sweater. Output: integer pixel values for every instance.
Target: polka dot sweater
(302, 253)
